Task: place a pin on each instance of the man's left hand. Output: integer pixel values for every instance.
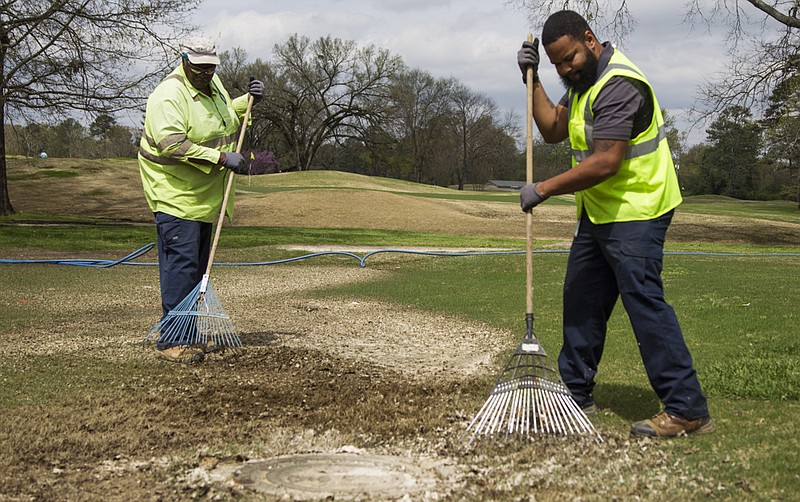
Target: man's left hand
(256, 89)
(529, 197)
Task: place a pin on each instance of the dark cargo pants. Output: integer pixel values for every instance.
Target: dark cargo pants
(183, 252)
(624, 260)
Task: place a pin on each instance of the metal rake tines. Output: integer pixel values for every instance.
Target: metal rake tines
(199, 320)
(529, 405)
(530, 398)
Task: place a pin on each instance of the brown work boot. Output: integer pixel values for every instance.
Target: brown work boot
(182, 354)
(665, 425)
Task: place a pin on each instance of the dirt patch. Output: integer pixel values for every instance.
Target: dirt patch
(91, 415)
(318, 377)
(112, 190)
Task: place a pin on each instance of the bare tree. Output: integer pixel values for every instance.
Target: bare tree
(420, 104)
(91, 56)
(761, 55)
(612, 16)
(324, 91)
(480, 134)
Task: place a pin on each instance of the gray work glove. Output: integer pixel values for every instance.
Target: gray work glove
(527, 56)
(529, 197)
(234, 161)
(256, 89)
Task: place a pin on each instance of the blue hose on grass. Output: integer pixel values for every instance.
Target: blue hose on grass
(128, 259)
(125, 260)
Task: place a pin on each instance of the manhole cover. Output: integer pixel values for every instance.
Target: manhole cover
(335, 475)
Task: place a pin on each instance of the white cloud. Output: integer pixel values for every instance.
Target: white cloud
(410, 5)
(474, 41)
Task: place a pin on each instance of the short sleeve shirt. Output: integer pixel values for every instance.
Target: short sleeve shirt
(623, 108)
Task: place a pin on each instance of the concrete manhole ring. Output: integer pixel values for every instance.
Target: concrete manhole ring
(335, 475)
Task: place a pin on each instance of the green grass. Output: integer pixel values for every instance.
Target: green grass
(739, 315)
(779, 210)
(30, 380)
(114, 237)
(60, 174)
(76, 237)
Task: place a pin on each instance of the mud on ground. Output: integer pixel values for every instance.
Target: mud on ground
(318, 376)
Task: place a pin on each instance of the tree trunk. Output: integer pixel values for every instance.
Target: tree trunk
(5, 202)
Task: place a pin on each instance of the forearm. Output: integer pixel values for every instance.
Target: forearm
(598, 167)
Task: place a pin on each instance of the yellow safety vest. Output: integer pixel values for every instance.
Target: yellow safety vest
(184, 131)
(646, 185)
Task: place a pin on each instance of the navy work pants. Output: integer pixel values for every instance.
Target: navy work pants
(624, 260)
(183, 252)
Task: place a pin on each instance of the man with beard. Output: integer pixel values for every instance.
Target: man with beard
(626, 190)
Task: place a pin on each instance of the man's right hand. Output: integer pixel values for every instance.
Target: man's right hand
(528, 56)
(529, 197)
(233, 161)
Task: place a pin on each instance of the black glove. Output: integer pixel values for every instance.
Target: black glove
(256, 89)
(234, 161)
(527, 56)
(529, 197)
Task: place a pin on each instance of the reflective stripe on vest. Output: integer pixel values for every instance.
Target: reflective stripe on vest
(636, 150)
(646, 185)
(174, 158)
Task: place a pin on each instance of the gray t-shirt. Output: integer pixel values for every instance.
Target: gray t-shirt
(624, 107)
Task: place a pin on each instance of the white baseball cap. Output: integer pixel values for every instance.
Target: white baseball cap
(200, 50)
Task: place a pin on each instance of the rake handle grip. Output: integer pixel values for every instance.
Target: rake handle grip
(529, 180)
(228, 185)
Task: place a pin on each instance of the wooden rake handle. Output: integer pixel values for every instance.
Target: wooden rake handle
(228, 185)
(529, 180)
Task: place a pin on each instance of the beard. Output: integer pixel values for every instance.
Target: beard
(588, 75)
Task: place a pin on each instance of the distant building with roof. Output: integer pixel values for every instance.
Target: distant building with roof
(505, 185)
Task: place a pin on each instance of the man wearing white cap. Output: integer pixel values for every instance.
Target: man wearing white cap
(190, 134)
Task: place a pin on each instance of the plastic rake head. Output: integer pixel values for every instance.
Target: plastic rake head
(199, 320)
(530, 398)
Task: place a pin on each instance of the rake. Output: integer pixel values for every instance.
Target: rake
(199, 319)
(529, 396)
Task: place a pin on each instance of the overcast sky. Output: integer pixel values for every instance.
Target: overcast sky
(474, 41)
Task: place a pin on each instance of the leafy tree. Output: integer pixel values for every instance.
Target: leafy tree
(101, 125)
(782, 132)
(549, 159)
(69, 136)
(731, 160)
(63, 56)
(690, 170)
(263, 162)
(100, 128)
(675, 137)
